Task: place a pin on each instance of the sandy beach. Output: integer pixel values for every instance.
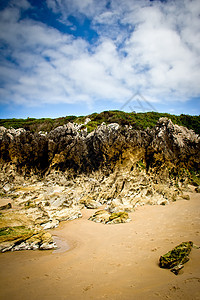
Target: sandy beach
(97, 261)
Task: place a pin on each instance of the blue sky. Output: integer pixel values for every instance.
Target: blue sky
(75, 57)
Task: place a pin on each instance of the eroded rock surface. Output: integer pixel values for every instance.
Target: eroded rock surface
(18, 232)
(69, 148)
(103, 216)
(175, 258)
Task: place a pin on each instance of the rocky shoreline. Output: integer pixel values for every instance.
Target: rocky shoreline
(49, 178)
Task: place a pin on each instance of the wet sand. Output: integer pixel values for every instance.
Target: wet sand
(119, 262)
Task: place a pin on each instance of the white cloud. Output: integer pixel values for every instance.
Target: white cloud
(77, 7)
(151, 47)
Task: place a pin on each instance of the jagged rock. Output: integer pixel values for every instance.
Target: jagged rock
(103, 216)
(2, 131)
(88, 202)
(175, 258)
(66, 214)
(114, 126)
(171, 149)
(117, 205)
(6, 206)
(38, 215)
(166, 148)
(87, 120)
(48, 246)
(47, 242)
(25, 246)
(50, 225)
(6, 246)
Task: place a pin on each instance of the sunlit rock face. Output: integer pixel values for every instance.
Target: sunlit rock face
(49, 178)
(68, 148)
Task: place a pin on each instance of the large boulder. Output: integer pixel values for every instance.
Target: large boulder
(175, 258)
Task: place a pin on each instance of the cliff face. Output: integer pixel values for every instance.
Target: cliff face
(48, 178)
(165, 148)
(173, 149)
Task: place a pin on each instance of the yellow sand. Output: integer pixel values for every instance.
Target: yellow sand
(110, 261)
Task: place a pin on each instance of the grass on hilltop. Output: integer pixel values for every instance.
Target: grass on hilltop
(136, 120)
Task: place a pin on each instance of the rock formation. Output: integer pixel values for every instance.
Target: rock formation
(50, 177)
(103, 216)
(175, 258)
(68, 148)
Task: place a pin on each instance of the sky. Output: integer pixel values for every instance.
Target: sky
(76, 57)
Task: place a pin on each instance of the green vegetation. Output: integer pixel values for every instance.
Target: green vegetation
(141, 165)
(195, 177)
(121, 216)
(14, 233)
(136, 120)
(36, 125)
(178, 255)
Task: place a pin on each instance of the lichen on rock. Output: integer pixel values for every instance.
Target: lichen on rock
(175, 258)
(103, 216)
(18, 232)
(100, 216)
(25, 238)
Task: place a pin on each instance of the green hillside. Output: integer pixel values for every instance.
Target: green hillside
(136, 120)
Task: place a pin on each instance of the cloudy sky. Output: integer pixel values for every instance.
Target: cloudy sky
(75, 57)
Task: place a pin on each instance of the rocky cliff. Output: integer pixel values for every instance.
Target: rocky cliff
(69, 148)
(50, 177)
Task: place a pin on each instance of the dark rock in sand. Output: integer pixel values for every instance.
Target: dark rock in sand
(175, 258)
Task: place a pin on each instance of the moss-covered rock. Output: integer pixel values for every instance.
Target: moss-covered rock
(24, 238)
(119, 217)
(16, 233)
(100, 216)
(103, 216)
(175, 258)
